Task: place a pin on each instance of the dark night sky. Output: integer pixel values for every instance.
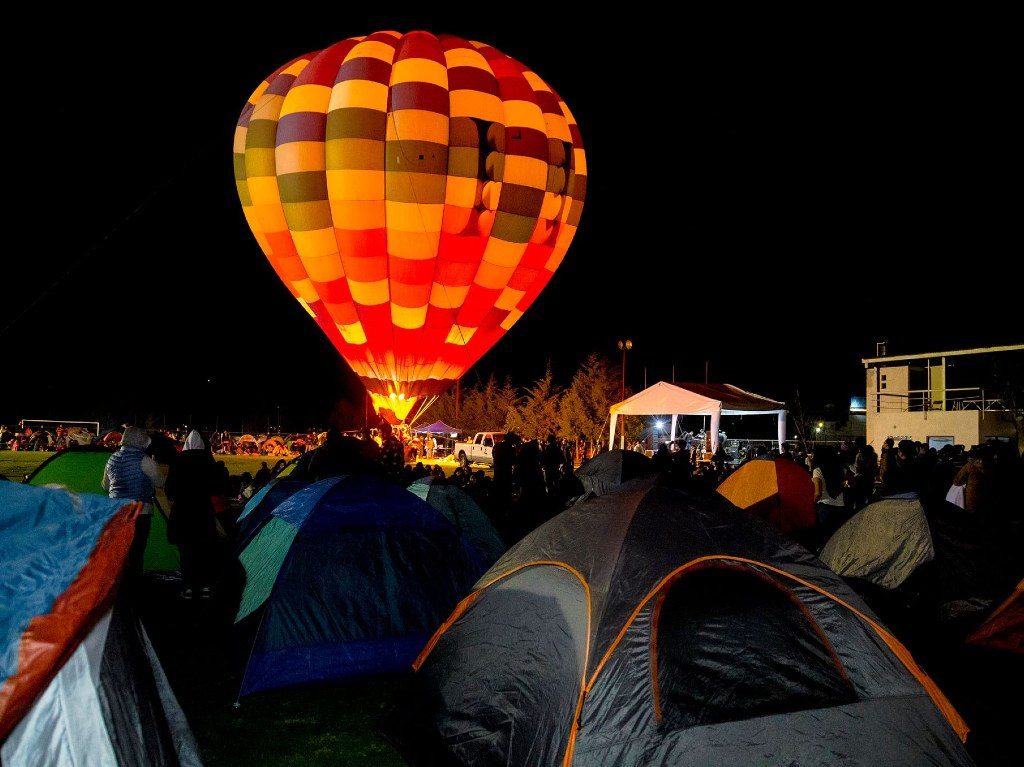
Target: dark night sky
(770, 196)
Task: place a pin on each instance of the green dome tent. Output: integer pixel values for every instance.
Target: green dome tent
(81, 471)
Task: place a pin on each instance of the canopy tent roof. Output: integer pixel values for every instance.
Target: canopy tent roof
(664, 398)
(437, 427)
(715, 400)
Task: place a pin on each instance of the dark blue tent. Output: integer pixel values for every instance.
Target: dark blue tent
(461, 510)
(259, 508)
(348, 576)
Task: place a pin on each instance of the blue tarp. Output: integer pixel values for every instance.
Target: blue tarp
(46, 537)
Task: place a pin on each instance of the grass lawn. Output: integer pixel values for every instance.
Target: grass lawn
(336, 724)
(16, 464)
(251, 463)
(332, 725)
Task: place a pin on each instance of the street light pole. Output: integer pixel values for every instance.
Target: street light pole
(624, 346)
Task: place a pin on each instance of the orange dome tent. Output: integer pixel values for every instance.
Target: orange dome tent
(777, 491)
(415, 193)
(1004, 629)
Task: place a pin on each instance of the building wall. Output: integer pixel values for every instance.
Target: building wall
(963, 425)
(993, 425)
(937, 384)
(897, 381)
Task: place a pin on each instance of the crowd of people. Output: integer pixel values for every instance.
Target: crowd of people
(850, 475)
(848, 478)
(34, 439)
(222, 442)
(533, 480)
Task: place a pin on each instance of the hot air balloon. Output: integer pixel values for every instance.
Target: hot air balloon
(415, 193)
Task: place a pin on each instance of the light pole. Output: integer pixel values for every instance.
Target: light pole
(624, 346)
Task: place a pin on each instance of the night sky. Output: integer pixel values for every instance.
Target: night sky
(770, 196)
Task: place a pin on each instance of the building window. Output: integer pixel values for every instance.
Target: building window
(883, 384)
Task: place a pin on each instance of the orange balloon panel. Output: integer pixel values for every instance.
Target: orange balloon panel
(415, 193)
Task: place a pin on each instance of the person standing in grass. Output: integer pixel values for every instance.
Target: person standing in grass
(133, 475)
(191, 485)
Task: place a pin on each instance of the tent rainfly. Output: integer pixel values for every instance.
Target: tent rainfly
(715, 400)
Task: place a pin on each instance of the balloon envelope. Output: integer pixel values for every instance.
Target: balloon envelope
(415, 193)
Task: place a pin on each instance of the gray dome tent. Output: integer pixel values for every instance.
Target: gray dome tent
(884, 543)
(651, 627)
(607, 471)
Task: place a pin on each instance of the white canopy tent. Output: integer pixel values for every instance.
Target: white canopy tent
(715, 400)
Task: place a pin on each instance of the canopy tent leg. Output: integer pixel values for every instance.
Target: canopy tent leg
(716, 421)
(782, 429)
(611, 430)
(675, 422)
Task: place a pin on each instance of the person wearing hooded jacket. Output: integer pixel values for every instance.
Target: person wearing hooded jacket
(191, 485)
(131, 473)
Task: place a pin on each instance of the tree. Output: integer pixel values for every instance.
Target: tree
(510, 399)
(539, 409)
(443, 409)
(1010, 379)
(585, 406)
(803, 423)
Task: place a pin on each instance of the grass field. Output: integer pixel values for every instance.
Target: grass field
(336, 724)
(15, 465)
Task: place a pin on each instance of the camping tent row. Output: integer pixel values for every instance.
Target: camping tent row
(713, 400)
(649, 626)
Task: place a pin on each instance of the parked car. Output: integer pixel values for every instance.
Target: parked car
(479, 450)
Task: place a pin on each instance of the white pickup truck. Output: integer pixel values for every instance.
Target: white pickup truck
(479, 450)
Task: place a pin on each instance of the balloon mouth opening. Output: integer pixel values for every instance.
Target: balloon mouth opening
(396, 402)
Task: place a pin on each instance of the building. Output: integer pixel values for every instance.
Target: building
(939, 398)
